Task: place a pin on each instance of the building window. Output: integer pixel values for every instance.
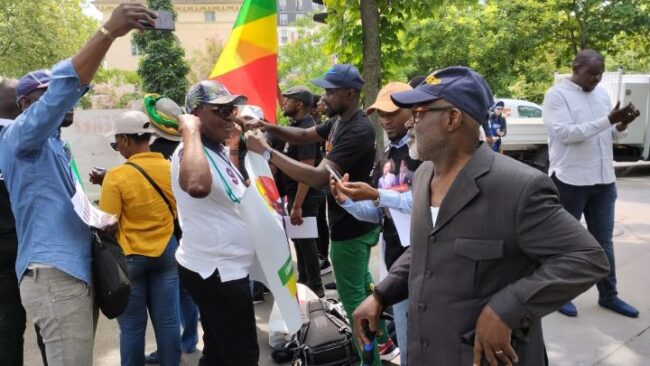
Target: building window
(283, 19)
(282, 5)
(300, 5)
(283, 36)
(209, 17)
(135, 51)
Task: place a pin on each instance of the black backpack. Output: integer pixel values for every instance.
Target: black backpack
(326, 340)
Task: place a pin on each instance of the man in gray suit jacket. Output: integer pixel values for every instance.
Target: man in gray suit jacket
(492, 250)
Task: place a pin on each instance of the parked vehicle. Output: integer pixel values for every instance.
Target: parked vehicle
(527, 139)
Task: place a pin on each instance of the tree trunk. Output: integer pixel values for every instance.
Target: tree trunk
(371, 59)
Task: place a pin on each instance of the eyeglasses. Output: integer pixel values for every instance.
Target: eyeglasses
(419, 111)
(224, 111)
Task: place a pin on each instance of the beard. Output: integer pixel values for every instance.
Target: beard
(413, 148)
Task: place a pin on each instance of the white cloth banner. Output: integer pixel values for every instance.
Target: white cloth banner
(262, 211)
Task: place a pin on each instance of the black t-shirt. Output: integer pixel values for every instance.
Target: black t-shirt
(302, 152)
(8, 237)
(350, 145)
(397, 164)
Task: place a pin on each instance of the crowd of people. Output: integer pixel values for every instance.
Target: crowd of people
(462, 289)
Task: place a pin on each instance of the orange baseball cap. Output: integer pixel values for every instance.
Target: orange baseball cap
(383, 102)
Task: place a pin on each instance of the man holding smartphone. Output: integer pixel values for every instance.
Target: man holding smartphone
(53, 264)
(350, 148)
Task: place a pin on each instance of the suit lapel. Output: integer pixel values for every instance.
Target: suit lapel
(464, 187)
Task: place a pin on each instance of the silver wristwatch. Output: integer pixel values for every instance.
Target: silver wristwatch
(267, 153)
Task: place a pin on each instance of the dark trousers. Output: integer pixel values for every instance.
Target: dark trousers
(227, 317)
(12, 320)
(323, 230)
(597, 203)
(307, 249)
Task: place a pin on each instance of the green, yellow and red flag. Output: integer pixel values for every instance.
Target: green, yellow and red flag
(248, 62)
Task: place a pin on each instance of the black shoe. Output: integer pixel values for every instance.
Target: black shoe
(152, 358)
(258, 293)
(331, 286)
(325, 267)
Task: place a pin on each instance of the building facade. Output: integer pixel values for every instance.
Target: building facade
(290, 11)
(198, 22)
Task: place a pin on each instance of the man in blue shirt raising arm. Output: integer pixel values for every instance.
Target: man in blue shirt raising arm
(54, 251)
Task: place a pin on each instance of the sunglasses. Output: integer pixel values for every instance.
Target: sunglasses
(224, 111)
(114, 144)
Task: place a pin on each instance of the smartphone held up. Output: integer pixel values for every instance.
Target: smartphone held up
(164, 21)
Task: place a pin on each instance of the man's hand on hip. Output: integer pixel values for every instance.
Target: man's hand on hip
(492, 339)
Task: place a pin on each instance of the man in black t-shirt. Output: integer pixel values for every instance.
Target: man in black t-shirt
(303, 201)
(350, 148)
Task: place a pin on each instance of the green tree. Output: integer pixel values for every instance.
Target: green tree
(305, 59)
(203, 60)
(37, 34)
(518, 44)
(162, 68)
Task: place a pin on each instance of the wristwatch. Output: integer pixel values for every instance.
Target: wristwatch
(376, 201)
(267, 153)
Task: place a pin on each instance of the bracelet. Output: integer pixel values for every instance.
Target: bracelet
(105, 32)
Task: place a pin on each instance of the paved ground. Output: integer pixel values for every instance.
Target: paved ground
(596, 337)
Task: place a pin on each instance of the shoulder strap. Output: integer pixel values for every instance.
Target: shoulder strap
(155, 186)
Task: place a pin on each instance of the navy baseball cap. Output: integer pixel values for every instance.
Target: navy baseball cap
(39, 79)
(460, 86)
(341, 76)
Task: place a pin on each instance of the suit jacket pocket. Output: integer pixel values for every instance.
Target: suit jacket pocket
(480, 256)
(479, 249)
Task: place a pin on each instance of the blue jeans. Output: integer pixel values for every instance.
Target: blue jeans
(154, 287)
(400, 314)
(189, 321)
(597, 203)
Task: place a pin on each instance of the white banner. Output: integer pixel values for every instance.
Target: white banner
(262, 211)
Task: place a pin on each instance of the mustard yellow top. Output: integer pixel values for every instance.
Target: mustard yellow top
(146, 225)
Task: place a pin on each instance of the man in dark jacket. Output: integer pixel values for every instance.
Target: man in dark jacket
(478, 289)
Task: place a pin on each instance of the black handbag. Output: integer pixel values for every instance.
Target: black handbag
(178, 233)
(110, 274)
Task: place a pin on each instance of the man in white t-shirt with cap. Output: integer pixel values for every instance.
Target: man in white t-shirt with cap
(216, 251)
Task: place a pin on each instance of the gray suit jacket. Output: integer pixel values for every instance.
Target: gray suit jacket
(501, 238)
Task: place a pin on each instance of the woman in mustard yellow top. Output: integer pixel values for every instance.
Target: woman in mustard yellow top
(146, 226)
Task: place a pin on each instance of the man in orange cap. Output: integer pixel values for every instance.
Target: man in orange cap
(375, 208)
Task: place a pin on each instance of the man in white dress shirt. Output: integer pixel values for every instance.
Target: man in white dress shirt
(581, 128)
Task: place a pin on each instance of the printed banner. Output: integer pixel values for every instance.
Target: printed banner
(262, 210)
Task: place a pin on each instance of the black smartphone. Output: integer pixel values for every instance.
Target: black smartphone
(164, 21)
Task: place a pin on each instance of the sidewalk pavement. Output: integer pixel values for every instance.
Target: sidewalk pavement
(596, 337)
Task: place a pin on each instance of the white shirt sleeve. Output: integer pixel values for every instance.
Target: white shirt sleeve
(558, 119)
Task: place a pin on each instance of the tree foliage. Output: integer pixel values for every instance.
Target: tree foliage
(38, 34)
(305, 59)
(518, 44)
(202, 60)
(162, 68)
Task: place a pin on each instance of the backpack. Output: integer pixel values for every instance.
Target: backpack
(326, 339)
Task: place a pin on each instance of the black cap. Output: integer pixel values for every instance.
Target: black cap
(300, 93)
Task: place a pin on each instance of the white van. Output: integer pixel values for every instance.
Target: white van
(518, 108)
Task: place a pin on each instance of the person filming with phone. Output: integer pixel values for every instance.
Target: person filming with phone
(53, 264)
